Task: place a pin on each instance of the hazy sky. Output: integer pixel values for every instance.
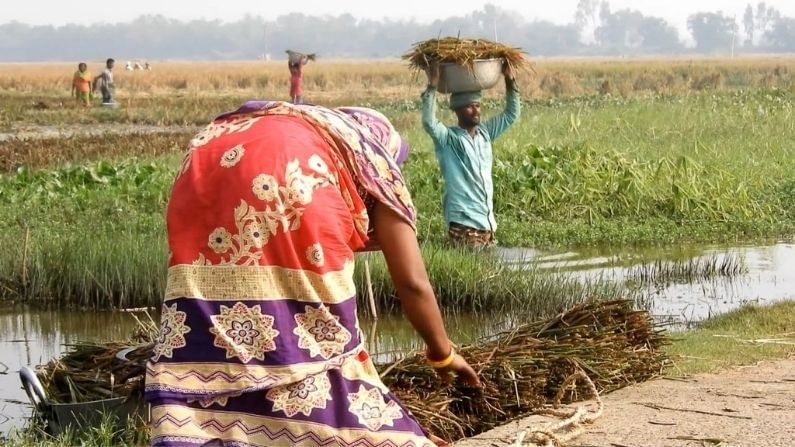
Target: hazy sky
(59, 12)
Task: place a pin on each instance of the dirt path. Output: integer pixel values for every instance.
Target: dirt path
(746, 406)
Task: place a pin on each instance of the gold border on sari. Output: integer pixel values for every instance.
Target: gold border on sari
(226, 378)
(263, 283)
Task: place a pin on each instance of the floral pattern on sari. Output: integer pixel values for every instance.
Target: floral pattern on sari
(365, 144)
(371, 409)
(244, 332)
(255, 227)
(301, 397)
(320, 332)
(172, 332)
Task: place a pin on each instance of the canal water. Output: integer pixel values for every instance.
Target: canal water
(756, 274)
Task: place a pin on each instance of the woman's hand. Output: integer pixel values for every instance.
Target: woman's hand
(438, 441)
(460, 369)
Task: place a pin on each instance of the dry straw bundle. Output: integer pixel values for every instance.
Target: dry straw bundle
(297, 54)
(91, 371)
(522, 370)
(463, 52)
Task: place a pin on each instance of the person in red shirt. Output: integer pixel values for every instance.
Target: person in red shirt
(296, 78)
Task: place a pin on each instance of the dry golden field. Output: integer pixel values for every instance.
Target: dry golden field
(391, 79)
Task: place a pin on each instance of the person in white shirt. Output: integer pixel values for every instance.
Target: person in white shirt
(105, 82)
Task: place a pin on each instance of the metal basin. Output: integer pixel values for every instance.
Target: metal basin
(458, 78)
(294, 56)
(60, 416)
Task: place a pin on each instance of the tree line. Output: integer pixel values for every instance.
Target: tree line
(595, 29)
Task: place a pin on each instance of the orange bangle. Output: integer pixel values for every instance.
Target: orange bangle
(441, 363)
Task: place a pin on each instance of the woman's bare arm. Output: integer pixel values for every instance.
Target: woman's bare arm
(407, 269)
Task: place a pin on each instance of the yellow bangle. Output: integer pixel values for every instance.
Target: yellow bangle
(441, 363)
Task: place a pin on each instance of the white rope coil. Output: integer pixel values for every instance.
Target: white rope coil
(572, 420)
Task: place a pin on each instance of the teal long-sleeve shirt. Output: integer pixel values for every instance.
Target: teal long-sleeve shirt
(466, 161)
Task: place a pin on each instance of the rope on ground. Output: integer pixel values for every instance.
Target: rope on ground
(572, 420)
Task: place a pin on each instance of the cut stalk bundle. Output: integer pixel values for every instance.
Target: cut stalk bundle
(91, 371)
(311, 56)
(522, 370)
(463, 52)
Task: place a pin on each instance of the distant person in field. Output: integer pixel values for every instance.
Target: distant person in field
(296, 79)
(81, 85)
(105, 82)
(465, 157)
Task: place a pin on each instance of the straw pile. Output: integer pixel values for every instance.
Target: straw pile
(463, 52)
(310, 56)
(91, 371)
(522, 370)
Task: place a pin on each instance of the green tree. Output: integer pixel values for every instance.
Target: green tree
(781, 36)
(712, 31)
(587, 17)
(628, 31)
(766, 18)
(748, 25)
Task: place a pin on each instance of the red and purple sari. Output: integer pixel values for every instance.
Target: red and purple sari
(260, 342)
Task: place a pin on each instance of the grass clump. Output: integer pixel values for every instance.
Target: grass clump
(742, 337)
(107, 434)
(86, 236)
(479, 282)
(659, 273)
(582, 182)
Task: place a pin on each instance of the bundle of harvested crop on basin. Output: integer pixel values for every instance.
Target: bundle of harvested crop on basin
(465, 64)
(91, 383)
(93, 371)
(295, 56)
(522, 370)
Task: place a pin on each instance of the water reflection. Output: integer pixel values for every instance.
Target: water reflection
(769, 276)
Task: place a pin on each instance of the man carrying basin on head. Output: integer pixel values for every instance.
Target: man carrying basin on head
(465, 157)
